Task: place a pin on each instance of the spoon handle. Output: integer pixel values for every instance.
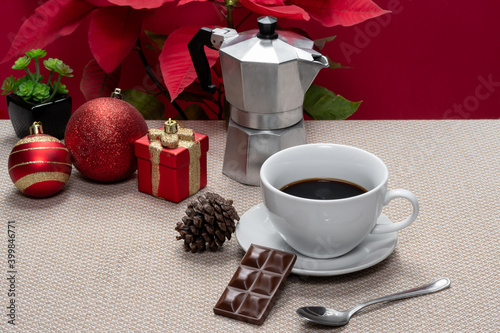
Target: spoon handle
(430, 288)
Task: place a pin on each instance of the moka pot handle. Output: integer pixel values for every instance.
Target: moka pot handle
(196, 48)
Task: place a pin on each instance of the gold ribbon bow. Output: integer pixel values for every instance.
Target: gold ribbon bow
(173, 136)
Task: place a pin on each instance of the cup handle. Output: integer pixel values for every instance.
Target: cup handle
(392, 194)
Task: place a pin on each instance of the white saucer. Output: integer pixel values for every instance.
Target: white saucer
(255, 227)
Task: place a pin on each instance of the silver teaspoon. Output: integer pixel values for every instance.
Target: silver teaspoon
(331, 317)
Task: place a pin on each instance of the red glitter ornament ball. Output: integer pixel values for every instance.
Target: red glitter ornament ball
(39, 165)
(100, 136)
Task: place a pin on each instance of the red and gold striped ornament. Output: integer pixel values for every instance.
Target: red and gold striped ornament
(39, 164)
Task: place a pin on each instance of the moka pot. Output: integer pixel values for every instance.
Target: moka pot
(266, 74)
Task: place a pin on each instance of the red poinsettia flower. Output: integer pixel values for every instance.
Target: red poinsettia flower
(276, 8)
(340, 12)
(141, 4)
(327, 12)
(116, 25)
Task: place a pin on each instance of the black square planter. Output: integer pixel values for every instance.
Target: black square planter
(53, 115)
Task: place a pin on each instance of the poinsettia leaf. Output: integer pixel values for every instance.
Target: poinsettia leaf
(101, 3)
(175, 61)
(322, 104)
(340, 12)
(295, 30)
(50, 21)
(287, 11)
(140, 4)
(195, 93)
(270, 2)
(194, 112)
(113, 32)
(96, 82)
(148, 105)
(183, 2)
(158, 40)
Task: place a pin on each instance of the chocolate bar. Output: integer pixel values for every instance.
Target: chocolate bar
(254, 287)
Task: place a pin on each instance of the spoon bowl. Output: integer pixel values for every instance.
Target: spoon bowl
(332, 317)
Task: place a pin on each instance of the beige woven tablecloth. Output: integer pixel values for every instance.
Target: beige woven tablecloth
(104, 258)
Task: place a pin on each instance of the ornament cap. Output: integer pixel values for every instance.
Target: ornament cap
(170, 126)
(36, 128)
(117, 94)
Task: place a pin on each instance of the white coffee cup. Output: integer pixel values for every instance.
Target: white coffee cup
(329, 228)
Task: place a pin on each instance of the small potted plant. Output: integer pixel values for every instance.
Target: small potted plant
(35, 97)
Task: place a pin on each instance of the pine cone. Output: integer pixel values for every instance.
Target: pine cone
(208, 222)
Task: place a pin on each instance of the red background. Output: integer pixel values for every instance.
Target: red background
(427, 60)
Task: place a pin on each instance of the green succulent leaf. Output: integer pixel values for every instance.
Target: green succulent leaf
(19, 82)
(322, 104)
(21, 63)
(36, 54)
(62, 89)
(25, 89)
(30, 86)
(51, 63)
(40, 92)
(63, 69)
(148, 105)
(8, 85)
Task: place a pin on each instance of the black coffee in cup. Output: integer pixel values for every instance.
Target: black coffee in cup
(323, 189)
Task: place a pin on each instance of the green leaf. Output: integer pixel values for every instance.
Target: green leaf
(63, 69)
(322, 104)
(41, 91)
(62, 89)
(334, 65)
(21, 63)
(26, 89)
(51, 63)
(158, 40)
(320, 43)
(36, 53)
(194, 112)
(9, 84)
(148, 105)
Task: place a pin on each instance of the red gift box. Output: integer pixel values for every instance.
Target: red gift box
(171, 173)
